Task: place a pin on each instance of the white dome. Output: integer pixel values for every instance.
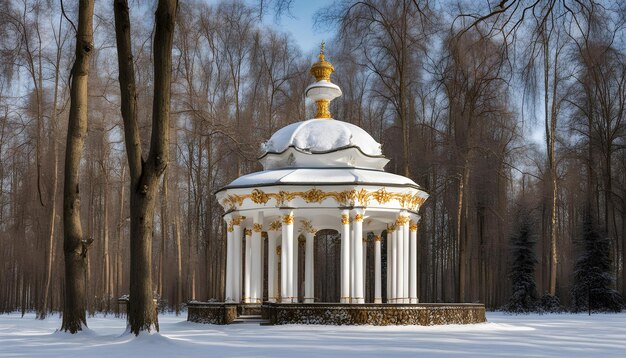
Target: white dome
(322, 136)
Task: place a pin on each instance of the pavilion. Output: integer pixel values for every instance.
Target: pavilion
(321, 173)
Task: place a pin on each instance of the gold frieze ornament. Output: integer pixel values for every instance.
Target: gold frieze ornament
(275, 225)
(257, 227)
(288, 219)
(346, 198)
(259, 197)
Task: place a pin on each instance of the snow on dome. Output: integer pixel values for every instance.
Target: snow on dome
(315, 135)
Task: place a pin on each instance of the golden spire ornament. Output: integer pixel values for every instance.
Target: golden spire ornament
(322, 69)
(322, 91)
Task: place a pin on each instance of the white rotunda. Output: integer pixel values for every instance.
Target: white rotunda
(318, 174)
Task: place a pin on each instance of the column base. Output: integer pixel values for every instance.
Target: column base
(378, 300)
(309, 300)
(345, 300)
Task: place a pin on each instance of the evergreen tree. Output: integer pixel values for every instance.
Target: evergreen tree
(524, 291)
(593, 280)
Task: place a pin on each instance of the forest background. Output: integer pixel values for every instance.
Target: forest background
(456, 92)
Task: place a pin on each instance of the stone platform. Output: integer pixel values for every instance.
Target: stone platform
(424, 314)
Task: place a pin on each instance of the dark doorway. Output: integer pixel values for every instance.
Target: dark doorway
(327, 266)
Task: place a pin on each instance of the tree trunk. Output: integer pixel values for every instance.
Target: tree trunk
(144, 174)
(74, 246)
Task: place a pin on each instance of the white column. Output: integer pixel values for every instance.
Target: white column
(345, 257)
(413, 265)
(400, 265)
(272, 260)
(364, 266)
(230, 257)
(405, 259)
(394, 260)
(287, 258)
(352, 261)
(296, 266)
(247, 295)
(237, 271)
(256, 269)
(358, 255)
(388, 248)
(378, 297)
(309, 293)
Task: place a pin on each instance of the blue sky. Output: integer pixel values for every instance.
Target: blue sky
(300, 25)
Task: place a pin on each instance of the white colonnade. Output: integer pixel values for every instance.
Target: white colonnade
(401, 253)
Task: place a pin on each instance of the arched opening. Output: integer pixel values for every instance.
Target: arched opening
(327, 266)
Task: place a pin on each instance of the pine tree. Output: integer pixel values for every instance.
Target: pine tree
(593, 280)
(524, 296)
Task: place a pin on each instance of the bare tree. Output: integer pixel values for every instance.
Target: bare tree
(144, 173)
(74, 244)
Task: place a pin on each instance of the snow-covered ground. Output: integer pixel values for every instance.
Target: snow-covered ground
(562, 335)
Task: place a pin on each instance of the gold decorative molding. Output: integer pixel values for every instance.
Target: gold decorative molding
(257, 227)
(412, 225)
(308, 227)
(248, 232)
(391, 227)
(288, 219)
(344, 198)
(323, 109)
(345, 219)
(377, 238)
(358, 217)
(278, 250)
(275, 225)
(229, 227)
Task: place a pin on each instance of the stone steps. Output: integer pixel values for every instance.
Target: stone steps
(251, 319)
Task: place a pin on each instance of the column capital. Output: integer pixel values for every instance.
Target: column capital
(256, 227)
(412, 225)
(345, 217)
(237, 219)
(307, 227)
(287, 218)
(248, 232)
(377, 238)
(402, 220)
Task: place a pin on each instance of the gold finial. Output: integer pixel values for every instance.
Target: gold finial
(322, 69)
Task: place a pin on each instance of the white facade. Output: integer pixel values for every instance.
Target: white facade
(320, 174)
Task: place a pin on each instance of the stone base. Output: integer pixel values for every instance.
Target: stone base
(424, 314)
(210, 312)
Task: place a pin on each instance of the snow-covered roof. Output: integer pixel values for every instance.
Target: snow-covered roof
(322, 136)
(305, 176)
